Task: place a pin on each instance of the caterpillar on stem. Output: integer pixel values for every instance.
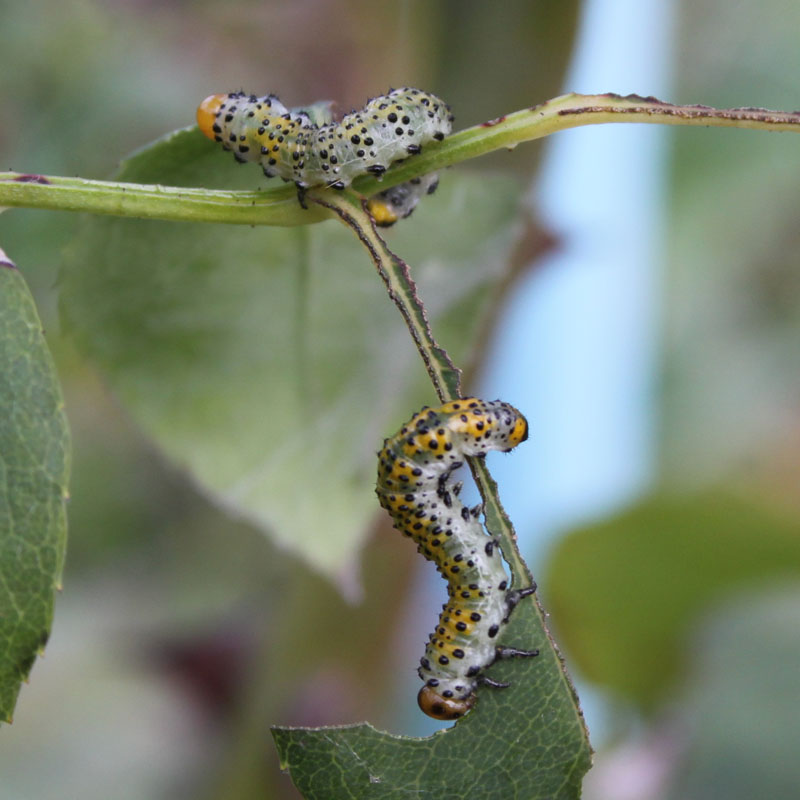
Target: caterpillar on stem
(306, 145)
(415, 486)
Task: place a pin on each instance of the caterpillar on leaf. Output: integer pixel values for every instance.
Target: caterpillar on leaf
(415, 487)
(307, 146)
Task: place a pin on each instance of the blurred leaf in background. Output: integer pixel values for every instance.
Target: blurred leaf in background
(733, 304)
(625, 593)
(722, 524)
(269, 362)
(738, 712)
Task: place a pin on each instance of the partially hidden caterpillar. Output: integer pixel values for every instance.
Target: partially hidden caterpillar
(415, 487)
(399, 201)
(306, 145)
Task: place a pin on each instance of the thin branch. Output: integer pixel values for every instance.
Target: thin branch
(445, 376)
(573, 111)
(279, 207)
(349, 209)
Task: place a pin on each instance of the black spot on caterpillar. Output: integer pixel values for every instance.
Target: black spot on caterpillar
(415, 487)
(307, 146)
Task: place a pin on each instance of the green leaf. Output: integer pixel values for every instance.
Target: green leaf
(34, 468)
(269, 362)
(626, 591)
(527, 741)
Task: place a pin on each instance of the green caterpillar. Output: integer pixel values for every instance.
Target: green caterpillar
(415, 487)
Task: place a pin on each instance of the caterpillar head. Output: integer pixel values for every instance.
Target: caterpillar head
(519, 433)
(446, 708)
(207, 114)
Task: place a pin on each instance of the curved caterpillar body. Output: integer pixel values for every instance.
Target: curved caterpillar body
(293, 145)
(414, 486)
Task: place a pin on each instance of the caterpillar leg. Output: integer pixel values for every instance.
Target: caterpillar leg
(301, 197)
(504, 652)
(512, 652)
(484, 681)
(515, 595)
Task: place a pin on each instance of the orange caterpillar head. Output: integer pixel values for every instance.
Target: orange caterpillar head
(207, 114)
(447, 708)
(381, 211)
(519, 433)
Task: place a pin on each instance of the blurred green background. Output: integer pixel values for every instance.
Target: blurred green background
(182, 634)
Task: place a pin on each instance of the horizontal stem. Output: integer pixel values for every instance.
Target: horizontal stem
(279, 206)
(573, 111)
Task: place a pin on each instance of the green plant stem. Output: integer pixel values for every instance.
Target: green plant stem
(279, 207)
(574, 111)
(151, 201)
(394, 272)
